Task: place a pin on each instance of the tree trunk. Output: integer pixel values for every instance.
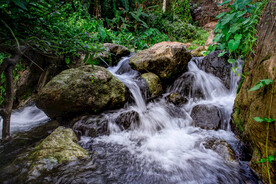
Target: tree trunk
(6, 113)
(164, 6)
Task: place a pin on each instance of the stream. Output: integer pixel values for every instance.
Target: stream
(162, 145)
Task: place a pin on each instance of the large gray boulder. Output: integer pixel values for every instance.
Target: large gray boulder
(81, 90)
(166, 59)
(206, 117)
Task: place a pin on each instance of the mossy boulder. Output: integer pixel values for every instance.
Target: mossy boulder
(262, 102)
(166, 59)
(59, 147)
(206, 116)
(154, 83)
(81, 90)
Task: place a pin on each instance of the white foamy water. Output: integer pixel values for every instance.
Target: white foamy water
(25, 119)
(166, 141)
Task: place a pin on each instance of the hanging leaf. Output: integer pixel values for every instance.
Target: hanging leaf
(261, 84)
(222, 54)
(271, 158)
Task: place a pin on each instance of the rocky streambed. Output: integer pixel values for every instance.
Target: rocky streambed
(159, 116)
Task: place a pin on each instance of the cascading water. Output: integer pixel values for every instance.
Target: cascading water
(25, 119)
(164, 146)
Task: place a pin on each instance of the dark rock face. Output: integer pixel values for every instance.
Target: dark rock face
(206, 117)
(81, 90)
(176, 99)
(218, 66)
(125, 119)
(92, 126)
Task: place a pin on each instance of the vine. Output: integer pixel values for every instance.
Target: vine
(269, 158)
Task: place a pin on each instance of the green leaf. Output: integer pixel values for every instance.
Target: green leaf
(217, 37)
(234, 28)
(266, 81)
(232, 61)
(227, 18)
(238, 36)
(268, 120)
(271, 158)
(258, 119)
(261, 84)
(225, 2)
(261, 161)
(233, 44)
(222, 54)
(221, 15)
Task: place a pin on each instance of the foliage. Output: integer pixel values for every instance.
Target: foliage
(178, 29)
(181, 8)
(236, 30)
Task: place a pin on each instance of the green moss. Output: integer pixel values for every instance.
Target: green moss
(237, 121)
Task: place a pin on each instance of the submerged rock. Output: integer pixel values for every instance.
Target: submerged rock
(81, 90)
(59, 147)
(206, 117)
(126, 119)
(166, 59)
(176, 99)
(218, 66)
(92, 126)
(153, 83)
(222, 148)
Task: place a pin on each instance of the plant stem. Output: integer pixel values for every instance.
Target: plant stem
(267, 135)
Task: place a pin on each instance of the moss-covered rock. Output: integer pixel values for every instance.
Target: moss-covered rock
(262, 102)
(59, 147)
(176, 99)
(81, 90)
(153, 83)
(166, 59)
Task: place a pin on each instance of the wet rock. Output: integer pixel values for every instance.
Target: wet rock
(166, 59)
(176, 99)
(126, 119)
(206, 117)
(81, 90)
(185, 86)
(222, 148)
(218, 66)
(198, 51)
(59, 147)
(117, 51)
(11, 148)
(153, 83)
(92, 126)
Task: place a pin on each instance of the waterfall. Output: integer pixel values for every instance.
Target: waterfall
(162, 143)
